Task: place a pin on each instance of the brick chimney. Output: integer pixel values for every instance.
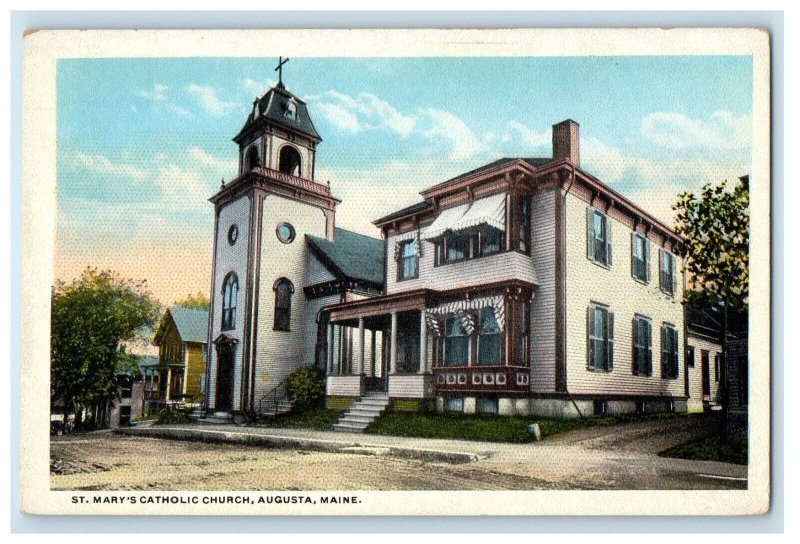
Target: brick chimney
(566, 142)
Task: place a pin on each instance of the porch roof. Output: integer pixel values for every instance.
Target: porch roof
(418, 299)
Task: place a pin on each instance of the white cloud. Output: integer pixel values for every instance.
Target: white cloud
(182, 112)
(527, 138)
(722, 130)
(100, 164)
(182, 185)
(201, 157)
(158, 92)
(256, 88)
(363, 112)
(207, 97)
(437, 126)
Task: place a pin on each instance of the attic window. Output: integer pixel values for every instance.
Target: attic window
(291, 110)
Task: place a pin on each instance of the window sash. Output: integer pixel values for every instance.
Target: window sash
(639, 257)
(524, 224)
(669, 352)
(456, 248)
(601, 333)
(491, 241)
(667, 272)
(456, 343)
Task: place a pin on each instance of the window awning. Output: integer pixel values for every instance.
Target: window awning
(447, 220)
(490, 211)
(485, 211)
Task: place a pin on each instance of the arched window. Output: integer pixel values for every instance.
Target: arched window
(230, 290)
(289, 161)
(252, 157)
(283, 304)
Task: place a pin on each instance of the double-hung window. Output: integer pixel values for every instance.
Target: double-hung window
(640, 253)
(667, 272)
(491, 241)
(642, 346)
(490, 339)
(408, 261)
(456, 247)
(598, 237)
(600, 341)
(669, 352)
(524, 225)
(456, 343)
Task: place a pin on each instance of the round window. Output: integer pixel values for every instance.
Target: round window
(233, 234)
(285, 233)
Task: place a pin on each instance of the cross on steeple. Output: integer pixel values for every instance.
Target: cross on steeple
(279, 69)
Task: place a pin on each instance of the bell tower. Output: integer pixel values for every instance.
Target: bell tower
(261, 326)
(278, 134)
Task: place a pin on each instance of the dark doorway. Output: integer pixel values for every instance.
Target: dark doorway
(225, 351)
(705, 373)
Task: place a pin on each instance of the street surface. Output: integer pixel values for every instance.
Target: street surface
(614, 457)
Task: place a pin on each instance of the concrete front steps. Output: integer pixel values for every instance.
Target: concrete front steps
(212, 418)
(362, 412)
(282, 407)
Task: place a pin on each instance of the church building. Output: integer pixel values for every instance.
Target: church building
(526, 286)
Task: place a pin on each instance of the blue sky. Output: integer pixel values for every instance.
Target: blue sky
(142, 143)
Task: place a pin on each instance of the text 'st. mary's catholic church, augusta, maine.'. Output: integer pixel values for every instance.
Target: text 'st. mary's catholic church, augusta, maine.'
(526, 286)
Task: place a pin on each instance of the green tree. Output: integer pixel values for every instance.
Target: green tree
(90, 318)
(199, 301)
(715, 226)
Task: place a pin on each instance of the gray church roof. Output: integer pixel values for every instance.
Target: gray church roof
(273, 106)
(192, 323)
(351, 255)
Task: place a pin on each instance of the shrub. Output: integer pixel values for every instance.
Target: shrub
(306, 387)
(168, 415)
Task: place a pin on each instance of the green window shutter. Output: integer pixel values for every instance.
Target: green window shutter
(589, 344)
(649, 344)
(608, 239)
(610, 341)
(647, 258)
(675, 355)
(674, 276)
(664, 341)
(590, 233)
(633, 254)
(634, 344)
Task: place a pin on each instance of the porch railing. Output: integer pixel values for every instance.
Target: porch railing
(482, 379)
(270, 401)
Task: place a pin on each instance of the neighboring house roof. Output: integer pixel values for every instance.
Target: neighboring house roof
(147, 361)
(351, 255)
(705, 320)
(191, 323)
(272, 106)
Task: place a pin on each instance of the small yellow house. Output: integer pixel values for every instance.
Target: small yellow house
(181, 340)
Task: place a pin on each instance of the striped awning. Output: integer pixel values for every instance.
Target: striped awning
(485, 211)
(447, 220)
(465, 310)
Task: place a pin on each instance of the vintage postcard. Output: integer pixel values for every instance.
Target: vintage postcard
(396, 272)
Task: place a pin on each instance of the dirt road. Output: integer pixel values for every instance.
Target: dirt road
(619, 457)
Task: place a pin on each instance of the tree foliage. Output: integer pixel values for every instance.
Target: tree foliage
(199, 301)
(715, 226)
(90, 318)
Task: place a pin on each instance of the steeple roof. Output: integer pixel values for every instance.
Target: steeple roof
(274, 108)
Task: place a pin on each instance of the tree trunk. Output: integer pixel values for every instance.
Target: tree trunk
(723, 370)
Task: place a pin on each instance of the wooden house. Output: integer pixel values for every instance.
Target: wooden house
(181, 340)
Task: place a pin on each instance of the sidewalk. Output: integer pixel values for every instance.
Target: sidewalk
(449, 451)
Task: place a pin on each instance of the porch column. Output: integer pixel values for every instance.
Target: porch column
(169, 379)
(337, 359)
(373, 352)
(329, 350)
(360, 355)
(393, 346)
(423, 343)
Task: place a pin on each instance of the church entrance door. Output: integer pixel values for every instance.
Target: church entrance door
(224, 376)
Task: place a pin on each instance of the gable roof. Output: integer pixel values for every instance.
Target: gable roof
(272, 106)
(351, 255)
(191, 323)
